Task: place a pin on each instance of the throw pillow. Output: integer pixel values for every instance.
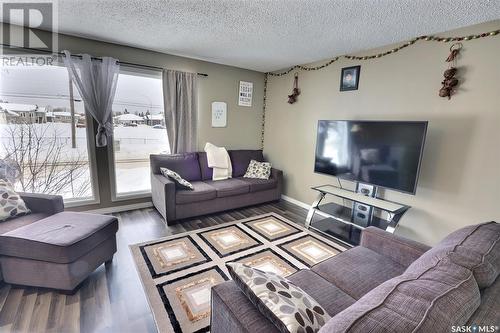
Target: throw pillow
(289, 308)
(177, 178)
(11, 203)
(260, 170)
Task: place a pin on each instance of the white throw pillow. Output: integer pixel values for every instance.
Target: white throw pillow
(11, 203)
(177, 178)
(259, 170)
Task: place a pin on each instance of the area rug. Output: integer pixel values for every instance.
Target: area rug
(177, 272)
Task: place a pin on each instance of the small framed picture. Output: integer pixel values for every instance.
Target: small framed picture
(349, 79)
(245, 94)
(219, 114)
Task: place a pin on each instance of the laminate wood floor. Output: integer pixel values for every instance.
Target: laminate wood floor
(112, 298)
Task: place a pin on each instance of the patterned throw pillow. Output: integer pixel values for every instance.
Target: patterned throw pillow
(260, 170)
(289, 308)
(177, 178)
(11, 203)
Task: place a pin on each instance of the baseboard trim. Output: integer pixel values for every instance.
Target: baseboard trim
(118, 209)
(295, 201)
(301, 204)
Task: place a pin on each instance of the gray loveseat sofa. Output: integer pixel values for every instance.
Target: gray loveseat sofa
(209, 196)
(390, 284)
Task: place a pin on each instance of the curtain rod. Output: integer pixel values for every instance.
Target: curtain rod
(93, 58)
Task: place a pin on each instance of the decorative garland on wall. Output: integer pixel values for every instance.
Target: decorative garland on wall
(368, 57)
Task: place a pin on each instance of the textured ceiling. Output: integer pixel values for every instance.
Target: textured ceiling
(266, 35)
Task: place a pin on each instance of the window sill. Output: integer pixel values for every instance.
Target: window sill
(131, 195)
(80, 202)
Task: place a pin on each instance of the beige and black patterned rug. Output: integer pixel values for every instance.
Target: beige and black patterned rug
(178, 271)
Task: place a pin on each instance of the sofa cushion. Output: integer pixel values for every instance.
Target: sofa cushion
(240, 159)
(289, 307)
(257, 185)
(475, 247)
(206, 172)
(202, 191)
(229, 187)
(186, 165)
(331, 298)
(21, 221)
(358, 270)
(59, 238)
(401, 250)
(430, 300)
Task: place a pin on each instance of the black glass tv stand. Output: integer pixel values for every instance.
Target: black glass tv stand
(345, 224)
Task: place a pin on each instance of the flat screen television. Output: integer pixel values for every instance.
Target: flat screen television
(380, 153)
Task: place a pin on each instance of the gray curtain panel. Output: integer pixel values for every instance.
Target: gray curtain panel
(180, 96)
(96, 83)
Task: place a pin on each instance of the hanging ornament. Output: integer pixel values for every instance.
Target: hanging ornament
(295, 92)
(450, 82)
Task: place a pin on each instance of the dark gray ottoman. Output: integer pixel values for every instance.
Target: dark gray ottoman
(59, 251)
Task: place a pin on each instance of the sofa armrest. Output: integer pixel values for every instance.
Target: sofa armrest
(163, 196)
(400, 249)
(278, 174)
(232, 312)
(43, 203)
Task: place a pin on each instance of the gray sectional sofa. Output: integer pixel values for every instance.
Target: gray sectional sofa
(209, 196)
(390, 284)
(41, 206)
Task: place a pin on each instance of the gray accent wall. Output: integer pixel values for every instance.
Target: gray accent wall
(460, 176)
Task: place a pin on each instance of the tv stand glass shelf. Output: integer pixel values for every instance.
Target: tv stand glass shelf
(346, 223)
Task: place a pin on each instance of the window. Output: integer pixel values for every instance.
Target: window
(43, 133)
(139, 130)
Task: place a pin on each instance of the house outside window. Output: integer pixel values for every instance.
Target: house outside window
(44, 140)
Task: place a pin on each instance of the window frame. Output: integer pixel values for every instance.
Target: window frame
(115, 196)
(91, 152)
(112, 181)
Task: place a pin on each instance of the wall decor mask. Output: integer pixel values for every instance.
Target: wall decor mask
(295, 92)
(450, 82)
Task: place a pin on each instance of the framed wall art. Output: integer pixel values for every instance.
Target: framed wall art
(349, 78)
(219, 114)
(245, 93)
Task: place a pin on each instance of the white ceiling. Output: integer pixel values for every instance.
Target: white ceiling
(266, 35)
